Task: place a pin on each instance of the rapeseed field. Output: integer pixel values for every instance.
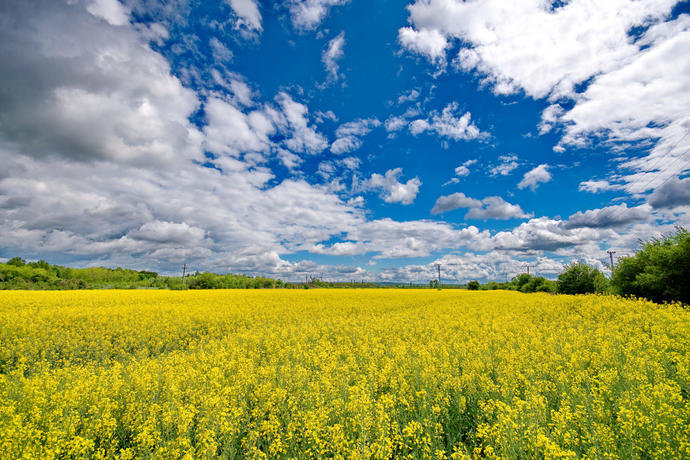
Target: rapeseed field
(341, 374)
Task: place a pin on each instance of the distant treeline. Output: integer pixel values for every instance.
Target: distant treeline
(19, 274)
(660, 271)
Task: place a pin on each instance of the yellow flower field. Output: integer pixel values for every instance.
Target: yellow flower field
(341, 374)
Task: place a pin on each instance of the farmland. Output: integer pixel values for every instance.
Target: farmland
(341, 374)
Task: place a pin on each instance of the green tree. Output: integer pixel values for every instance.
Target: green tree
(473, 285)
(16, 261)
(580, 278)
(660, 271)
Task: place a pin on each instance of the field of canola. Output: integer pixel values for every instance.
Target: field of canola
(341, 374)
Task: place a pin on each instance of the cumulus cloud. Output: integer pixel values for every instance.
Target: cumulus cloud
(619, 87)
(530, 45)
(448, 124)
(429, 42)
(114, 12)
(393, 239)
(642, 102)
(308, 14)
(232, 132)
(545, 234)
(671, 194)
(610, 216)
(390, 187)
(332, 54)
(536, 176)
(454, 201)
(492, 207)
(80, 87)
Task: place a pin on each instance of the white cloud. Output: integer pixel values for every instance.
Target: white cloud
(671, 194)
(544, 234)
(531, 45)
(348, 135)
(492, 207)
(393, 239)
(596, 186)
(454, 201)
(168, 232)
(395, 123)
(608, 217)
(637, 93)
(408, 96)
(80, 87)
(248, 14)
(327, 115)
(462, 171)
(643, 102)
(635, 86)
(447, 124)
(231, 132)
(536, 176)
(429, 42)
(221, 53)
(308, 14)
(507, 164)
(390, 188)
(114, 12)
(345, 144)
(332, 54)
(304, 137)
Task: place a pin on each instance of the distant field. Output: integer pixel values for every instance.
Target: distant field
(342, 374)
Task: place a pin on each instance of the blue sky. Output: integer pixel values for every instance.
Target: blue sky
(358, 140)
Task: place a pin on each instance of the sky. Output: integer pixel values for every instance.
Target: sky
(342, 139)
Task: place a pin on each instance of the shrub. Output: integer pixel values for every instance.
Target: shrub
(660, 271)
(580, 278)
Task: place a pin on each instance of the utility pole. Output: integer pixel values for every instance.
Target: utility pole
(611, 253)
(438, 266)
(184, 273)
(529, 266)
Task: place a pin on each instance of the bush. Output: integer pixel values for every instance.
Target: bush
(660, 271)
(580, 278)
(473, 285)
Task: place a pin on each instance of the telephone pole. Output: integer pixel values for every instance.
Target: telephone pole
(438, 266)
(611, 253)
(184, 273)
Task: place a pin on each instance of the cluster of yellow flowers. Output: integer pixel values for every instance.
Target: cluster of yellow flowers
(341, 374)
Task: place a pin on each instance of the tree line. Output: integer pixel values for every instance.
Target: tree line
(17, 273)
(659, 271)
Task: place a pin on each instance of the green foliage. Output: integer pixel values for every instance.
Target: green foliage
(660, 271)
(495, 285)
(473, 285)
(580, 278)
(16, 261)
(18, 274)
(209, 280)
(539, 284)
